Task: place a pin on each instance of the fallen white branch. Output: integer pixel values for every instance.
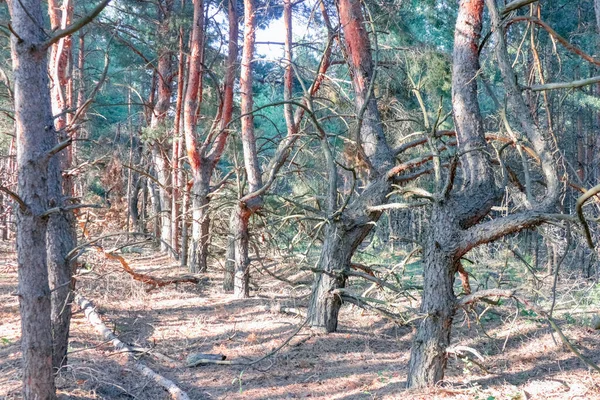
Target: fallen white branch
(94, 319)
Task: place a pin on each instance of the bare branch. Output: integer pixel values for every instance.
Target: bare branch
(514, 5)
(566, 44)
(396, 206)
(58, 148)
(75, 26)
(68, 208)
(95, 320)
(564, 85)
(15, 197)
(579, 207)
(481, 294)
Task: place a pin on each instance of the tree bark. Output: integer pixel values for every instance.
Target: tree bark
(61, 235)
(159, 114)
(176, 158)
(198, 252)
(241, 279)
(428, 352)
(456, 222)
(190, 119)
(36, 136)
(352, 225)
(249, 204)
(461, 210)
(228, 277)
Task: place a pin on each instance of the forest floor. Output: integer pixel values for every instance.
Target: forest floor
(366, 359)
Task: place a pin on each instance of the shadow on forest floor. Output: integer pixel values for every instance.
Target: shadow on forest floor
(365, 359)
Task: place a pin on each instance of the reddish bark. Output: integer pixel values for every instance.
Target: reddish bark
(61, 235)
(344, 234)
(193, 87)
(177, 173)
(227, 107)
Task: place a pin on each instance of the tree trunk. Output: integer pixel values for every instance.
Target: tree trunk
(61, 235)
(36, 136)
(343, 236)
(252, 202)
(183, 254)
(241, 280)
(155, 200)
(61, 239)
(335, 258)
(228, 278)
(198, 252)
(177, 151)
(428, 353)
(457, 211)
(200, 174)
(163, 197)
(159, 114)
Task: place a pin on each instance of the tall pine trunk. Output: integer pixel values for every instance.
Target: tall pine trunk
(249, 204)
(61, 234)
(157, 122)
(35, 137)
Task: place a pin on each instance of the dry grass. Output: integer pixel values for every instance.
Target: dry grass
(366, 359)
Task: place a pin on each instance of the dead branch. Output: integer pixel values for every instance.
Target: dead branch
(95, 320)
(459, 351)
(564, 85)
(373, 278)
(560, 333)
(464, 278)
(249, 363)
(579, 207)
(357, 301)
(481, 294)
(566, 44)
(147, 279)
(75, 26)
(514, 5)
(15, 197)
(397, 206)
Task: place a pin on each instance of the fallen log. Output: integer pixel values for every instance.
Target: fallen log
(94, 319)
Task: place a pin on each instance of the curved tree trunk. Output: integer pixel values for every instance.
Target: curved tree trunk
(374, 158)
(190, 119)
(454, 213)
